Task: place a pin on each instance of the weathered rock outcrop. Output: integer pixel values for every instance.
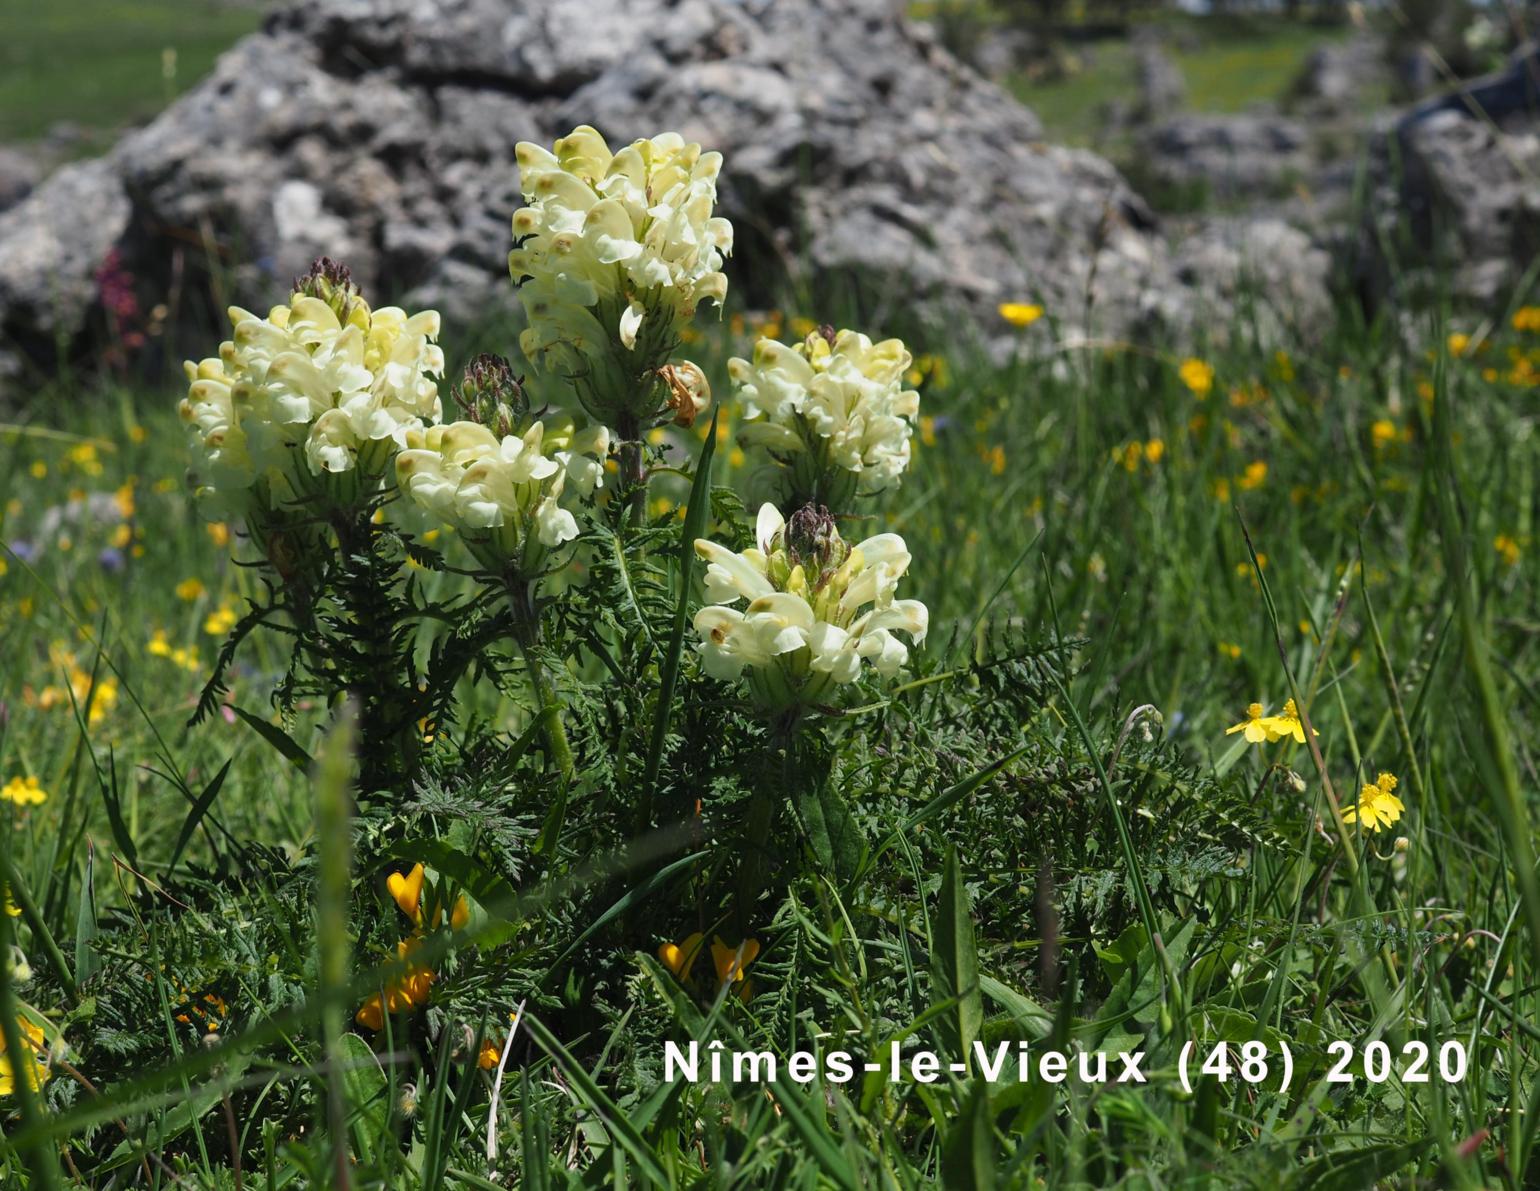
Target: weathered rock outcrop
(1456, 190)
(382, 132)
(1225, 158)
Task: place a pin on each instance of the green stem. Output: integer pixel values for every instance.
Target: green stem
(40, 932)
(526, 635)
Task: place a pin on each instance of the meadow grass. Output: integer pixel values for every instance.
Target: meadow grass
(1080, 519)
(1228, 66)
(102, 64)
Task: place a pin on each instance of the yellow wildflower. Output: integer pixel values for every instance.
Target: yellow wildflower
(1526, 318)
(24, 791)
(730, 962)
(36, 1063)
(189, 590)
(1233, 652)
(1377, 805)
(1383, 433)
(83, 455)
(39, 469)
(679, 957)
(219, 533)
(1254, 476)
(1507, 549)
(1020, 314)
(1255, 725)
(1459, 343)
(1155, 450)
(220, 621)
(1288, 725)
(1197, 376)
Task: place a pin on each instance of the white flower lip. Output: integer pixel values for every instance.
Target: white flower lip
(843, 401)
(848, 616)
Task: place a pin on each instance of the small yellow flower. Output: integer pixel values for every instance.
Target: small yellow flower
(36, 1063)
(730, 962)
(219, 533)
(1253, 477)
(1197, 376)
(1155, 450)
(189, 590)
(24, 791)
(1459, 343)
(1233, 652)
(1288, 725)
(83, 455)
(1507, 549)
(995, 457)
(220, 621)
(1526, 318)
(1383, 433)
(39, 469)
(1377, 805)
(406, 888)
(1020, 314)
(679, 957)
(1255, 725)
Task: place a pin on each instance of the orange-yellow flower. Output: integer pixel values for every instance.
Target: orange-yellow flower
(730, 962)
(679, 957)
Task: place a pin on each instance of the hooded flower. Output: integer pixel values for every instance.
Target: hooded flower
(832, 410)
(615, 250)
(322, 385)
(815, 608)
(503, 494)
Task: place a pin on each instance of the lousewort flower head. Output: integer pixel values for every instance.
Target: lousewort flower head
(807, 623)
(612, 256)
(832, 411)
(321, 386)
(503, 493)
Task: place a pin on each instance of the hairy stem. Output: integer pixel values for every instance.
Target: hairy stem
(629, 429)
(526, 635)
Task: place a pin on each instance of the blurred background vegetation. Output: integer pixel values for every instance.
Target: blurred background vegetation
(76, 73)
